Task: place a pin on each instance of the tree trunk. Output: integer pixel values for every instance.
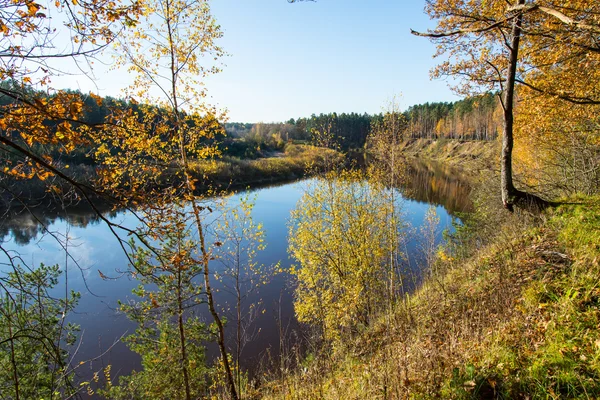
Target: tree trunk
(509, 193)
(211, 306)
(221, 335)
(13, 360)
(182, 340)
(238, 350)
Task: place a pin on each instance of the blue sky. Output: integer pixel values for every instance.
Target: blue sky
(292, 60)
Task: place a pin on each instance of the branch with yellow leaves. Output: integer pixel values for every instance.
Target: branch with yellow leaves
(563, 96)
(85, 191)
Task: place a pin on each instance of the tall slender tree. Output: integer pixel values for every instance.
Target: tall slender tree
(168, 324)
(152, 152)
(387, 165)
(240, 241)
(496, 44)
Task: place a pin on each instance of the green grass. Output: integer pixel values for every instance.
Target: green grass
(519, 318)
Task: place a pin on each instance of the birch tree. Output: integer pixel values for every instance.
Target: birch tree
(151, 155)
(340, 239)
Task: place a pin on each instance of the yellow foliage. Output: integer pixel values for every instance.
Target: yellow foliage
(340, 236)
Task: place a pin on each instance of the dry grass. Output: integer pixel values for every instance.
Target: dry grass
(517, 319)
(473, 154)
(292, 164)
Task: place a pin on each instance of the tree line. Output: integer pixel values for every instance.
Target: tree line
(473, 118)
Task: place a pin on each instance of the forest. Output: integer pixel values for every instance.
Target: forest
(474, 118)
(504, 303)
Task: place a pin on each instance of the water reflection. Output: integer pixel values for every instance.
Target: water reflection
(24, 225)
(438, 184)
(96, 250)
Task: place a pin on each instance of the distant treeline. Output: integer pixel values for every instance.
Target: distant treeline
(347, 130)
(475, 118)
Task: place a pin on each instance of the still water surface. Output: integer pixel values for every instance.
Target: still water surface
(97, 252)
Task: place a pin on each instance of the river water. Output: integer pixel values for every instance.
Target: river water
(95, 254)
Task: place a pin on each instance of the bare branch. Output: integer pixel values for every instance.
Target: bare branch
(461, 31)
(557, 14)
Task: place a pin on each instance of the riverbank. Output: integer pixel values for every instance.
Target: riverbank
(226, 174)
(511, 309)
(272, 209)
(296, 161)
(466, 154)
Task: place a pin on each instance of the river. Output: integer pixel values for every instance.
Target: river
(97, 254)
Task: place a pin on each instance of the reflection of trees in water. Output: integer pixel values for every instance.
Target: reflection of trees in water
(25, 225)
(426, 182)
(22, 228)
(437, 184)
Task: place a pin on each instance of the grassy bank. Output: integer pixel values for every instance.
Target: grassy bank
(510, 310)
(294, 162)
(227, 173)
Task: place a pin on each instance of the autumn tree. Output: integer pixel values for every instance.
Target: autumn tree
(30, 120)
(559, 145)
(340, 239)
(387, 167)
(495, 45)
(150, 156)
(39, 41)
(558, 123)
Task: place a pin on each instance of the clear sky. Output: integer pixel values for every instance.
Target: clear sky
(293, 60)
